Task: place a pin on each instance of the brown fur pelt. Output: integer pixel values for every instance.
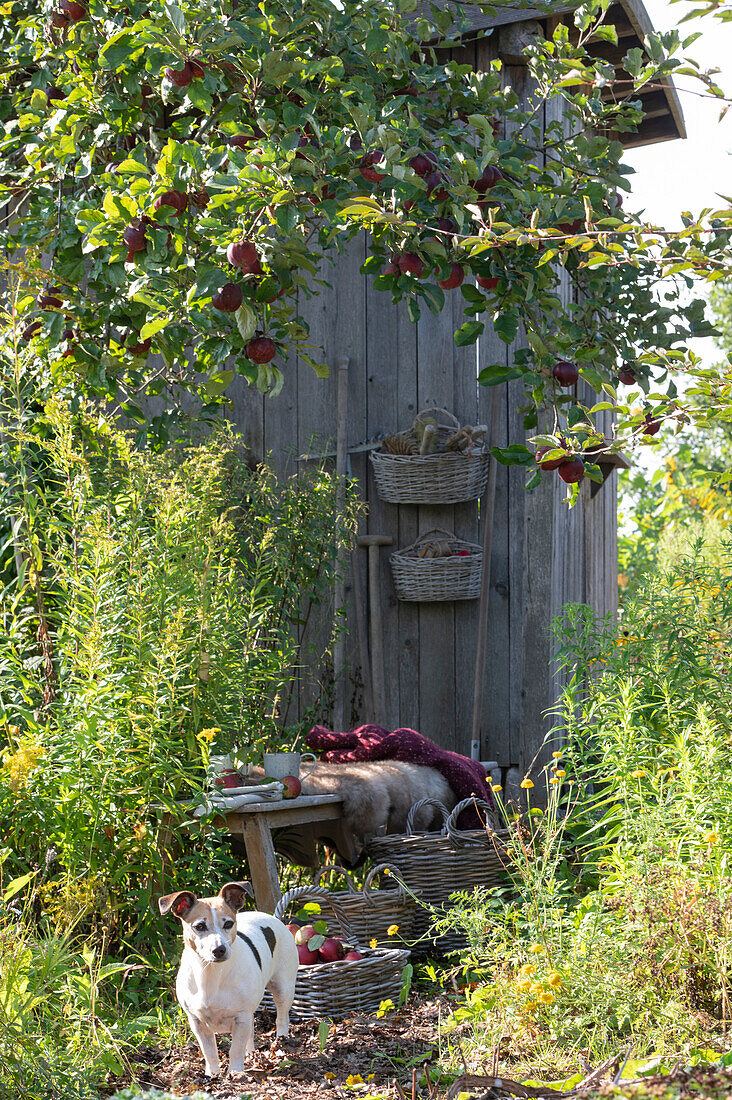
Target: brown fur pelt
(377, 795)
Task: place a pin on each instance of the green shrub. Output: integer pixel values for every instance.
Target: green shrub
(155, 619)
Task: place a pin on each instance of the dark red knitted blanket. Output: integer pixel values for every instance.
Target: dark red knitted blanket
(466, 777)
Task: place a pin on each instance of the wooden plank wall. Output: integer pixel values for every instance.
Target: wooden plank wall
(542, 556)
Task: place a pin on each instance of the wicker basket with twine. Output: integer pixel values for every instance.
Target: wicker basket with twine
(446, 477)
(435, 865)
(370, 912)
(453, 577)
(336, 989)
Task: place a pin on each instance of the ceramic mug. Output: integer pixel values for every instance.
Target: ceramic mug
(279, 764)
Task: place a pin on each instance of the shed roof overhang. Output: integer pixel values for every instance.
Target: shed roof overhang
(663, 118)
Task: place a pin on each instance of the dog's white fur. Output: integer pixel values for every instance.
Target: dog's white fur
(378, 794)
(229, 959)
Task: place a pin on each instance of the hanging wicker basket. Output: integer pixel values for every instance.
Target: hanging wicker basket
(371, 912)
(447, 477)
(339, 988)
(435, 865)
(456, 577)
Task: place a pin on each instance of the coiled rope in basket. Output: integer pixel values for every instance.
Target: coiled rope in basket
(435, 865)
(446, 477)
(338, 988)
(453, 577)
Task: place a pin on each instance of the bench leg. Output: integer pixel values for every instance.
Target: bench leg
(262, 862)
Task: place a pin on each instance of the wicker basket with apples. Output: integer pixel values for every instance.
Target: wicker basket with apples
(338, 975)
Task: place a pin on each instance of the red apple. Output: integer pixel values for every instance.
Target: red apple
(244, 255)
(261, 350)
(304, 934)
(409, 263)
(49, 300)
(306, 956)
(138, 347)
(134, 238)
(572, 470)
(331, 950)
(551, 463)
(447, 225)
(229, 779)
(626, 375)
(197, 70)
(293, 927)
(178, 200)
(367, 166)
(228, 298)
(181, 78)
(200, 197)
(565, 373)
(352, 956)
(489, 178)
(53, 94)
(423, 163)
(59, 19)
(292, 785)
(435, 186)
(30, 331)
(454, 279)
(73, 11)
(651, 425)
(487, 282)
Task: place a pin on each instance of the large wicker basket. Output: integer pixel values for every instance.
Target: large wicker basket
(444, 478)
(370, 913)
(447, 578)
(435, 865)
(339, 988)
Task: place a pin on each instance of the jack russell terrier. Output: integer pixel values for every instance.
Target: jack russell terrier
(228, 961)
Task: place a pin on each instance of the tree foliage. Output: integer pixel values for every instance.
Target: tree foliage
(142, 142)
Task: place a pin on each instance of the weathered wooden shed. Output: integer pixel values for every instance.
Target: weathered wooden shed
(543, 554)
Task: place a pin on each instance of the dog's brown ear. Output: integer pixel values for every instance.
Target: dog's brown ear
(179, 904)
(233, 894)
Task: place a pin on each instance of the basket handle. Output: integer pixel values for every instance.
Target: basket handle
(341, 870)
(418, 806)
(379, 869)
(437, 409)
(317, 893)
(456, 835)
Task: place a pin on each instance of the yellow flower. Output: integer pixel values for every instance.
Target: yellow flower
(530, 1006)
(392, 930)
(354, 1079)
(547, 998)
(329, 1076)
(554, 979)
(209, 734)
(496, 787)
(526, 784)
(536, 990)
(711, 838)
(524, 986)
(639, 773)
(537, 949)
(527, 970)
(556, 755)
(554, 780)
(386, 872)
(561, 773)
(373, 943)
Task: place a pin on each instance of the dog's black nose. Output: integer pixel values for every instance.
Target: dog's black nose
(219, 952)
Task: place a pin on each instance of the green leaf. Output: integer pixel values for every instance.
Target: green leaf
(17, 884)
(506, 326)
(151, 327)
(497, 373)
(469, 333)
(533, 479)
(218, 382)
(316, 942)
(176, 17)
(515, 455)
(133, 411)
(413, 310)
(86, 219)
(593, 472)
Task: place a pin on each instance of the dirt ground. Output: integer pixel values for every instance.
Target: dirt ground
(379, 1051)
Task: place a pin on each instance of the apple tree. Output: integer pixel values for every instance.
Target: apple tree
(174, 174)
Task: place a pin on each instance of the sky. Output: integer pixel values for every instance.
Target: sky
(672, 176)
